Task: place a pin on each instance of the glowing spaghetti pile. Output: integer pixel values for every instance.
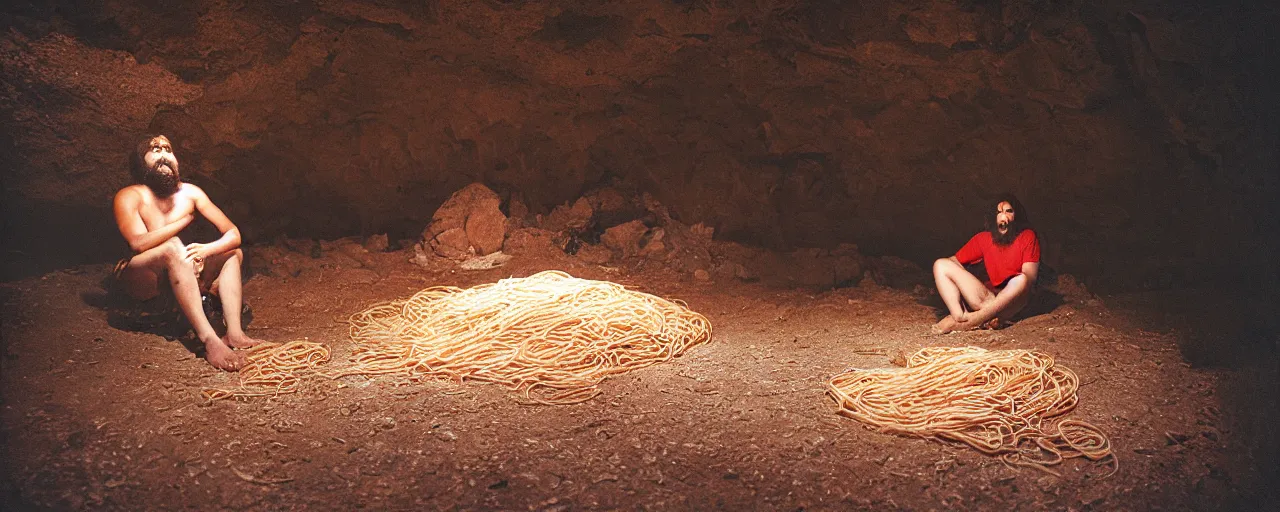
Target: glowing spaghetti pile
(274, 369)
(551, 336)
(995, 401)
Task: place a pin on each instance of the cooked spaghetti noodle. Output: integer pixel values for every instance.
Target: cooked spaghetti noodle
(274, 369)
(996, 401)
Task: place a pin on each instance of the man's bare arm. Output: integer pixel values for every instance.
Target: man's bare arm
(230, 239)
(129, 221)
(1031, 269)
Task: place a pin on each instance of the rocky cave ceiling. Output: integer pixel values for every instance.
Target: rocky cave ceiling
(1141, 135)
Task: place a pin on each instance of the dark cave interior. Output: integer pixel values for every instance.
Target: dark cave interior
(1141, 135)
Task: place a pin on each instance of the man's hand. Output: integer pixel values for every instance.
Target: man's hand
(196, 254)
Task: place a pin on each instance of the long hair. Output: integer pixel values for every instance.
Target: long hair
(1021, 219)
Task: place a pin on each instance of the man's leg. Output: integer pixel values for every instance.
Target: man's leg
(167, 259)
(960, 291)
(1010, 300)
(228, 285)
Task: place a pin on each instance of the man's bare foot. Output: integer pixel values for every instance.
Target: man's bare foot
(944, 326)
(240, 340)
(222, 357)
(968, 324)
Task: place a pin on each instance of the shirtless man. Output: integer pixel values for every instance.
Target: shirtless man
(150, 213)
(1010, 251)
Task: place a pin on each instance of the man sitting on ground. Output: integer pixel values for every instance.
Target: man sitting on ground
(1010, 251)
(150, 213)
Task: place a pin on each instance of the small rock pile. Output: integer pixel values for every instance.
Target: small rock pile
(606, 226)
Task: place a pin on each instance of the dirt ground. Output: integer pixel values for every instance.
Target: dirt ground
(102, 418)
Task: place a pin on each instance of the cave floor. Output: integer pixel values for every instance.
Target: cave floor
(96, 417)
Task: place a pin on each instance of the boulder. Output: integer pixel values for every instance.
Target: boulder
(486, 230)
(570, 218)
(455, 210)
(625, 238)
(652, 245)
(469, 222)
(377, 243)
(533, 243)
(452, 244)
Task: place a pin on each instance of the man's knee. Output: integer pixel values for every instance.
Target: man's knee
(175, 253)
(173, 245)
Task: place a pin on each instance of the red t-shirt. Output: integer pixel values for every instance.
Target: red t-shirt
(1001, 262)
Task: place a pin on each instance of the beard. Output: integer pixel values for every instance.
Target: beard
(163, 178)
(1010, 234)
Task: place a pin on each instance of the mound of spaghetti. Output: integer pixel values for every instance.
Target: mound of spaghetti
(997, 401)
(274, 369)
(550, 336)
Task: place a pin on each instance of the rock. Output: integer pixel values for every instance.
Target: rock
(533, 242)
(451, 244)
(353, 249)
(376, 243)
(810, 269)
(701, 275)
(846, 270)
(517, 214)
(656, 208)
(455, 210)
(896, 272)
(486, 229)
(652, 245)
(468, 222)
(943, 23)
(348, 246)
(1068, 287)
(625, 238)
(486, 262)
(570, 218)
(516, 208)
(341, 259)
(303, 246)
(655, 249)
(702, 231)
(846, 263)
(611, 207)
(594, 254)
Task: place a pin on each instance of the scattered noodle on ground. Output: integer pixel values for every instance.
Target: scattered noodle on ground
(551, 336)
(274, 369)
(995, 401)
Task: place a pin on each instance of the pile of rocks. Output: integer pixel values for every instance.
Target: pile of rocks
(606, 226)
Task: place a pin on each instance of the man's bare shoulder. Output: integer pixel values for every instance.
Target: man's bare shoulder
(191, 190)
(132, 193)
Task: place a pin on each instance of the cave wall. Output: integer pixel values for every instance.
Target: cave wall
(1140, 135)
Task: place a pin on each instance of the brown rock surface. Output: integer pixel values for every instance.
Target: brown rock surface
(780, 124)
(486, 229)
(452, 243)
(469, 222)
(625, 238)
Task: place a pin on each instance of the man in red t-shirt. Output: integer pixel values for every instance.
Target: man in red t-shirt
(1010, 251)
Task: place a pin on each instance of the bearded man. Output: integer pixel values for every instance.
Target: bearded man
(150, 214)
(1010, 251)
